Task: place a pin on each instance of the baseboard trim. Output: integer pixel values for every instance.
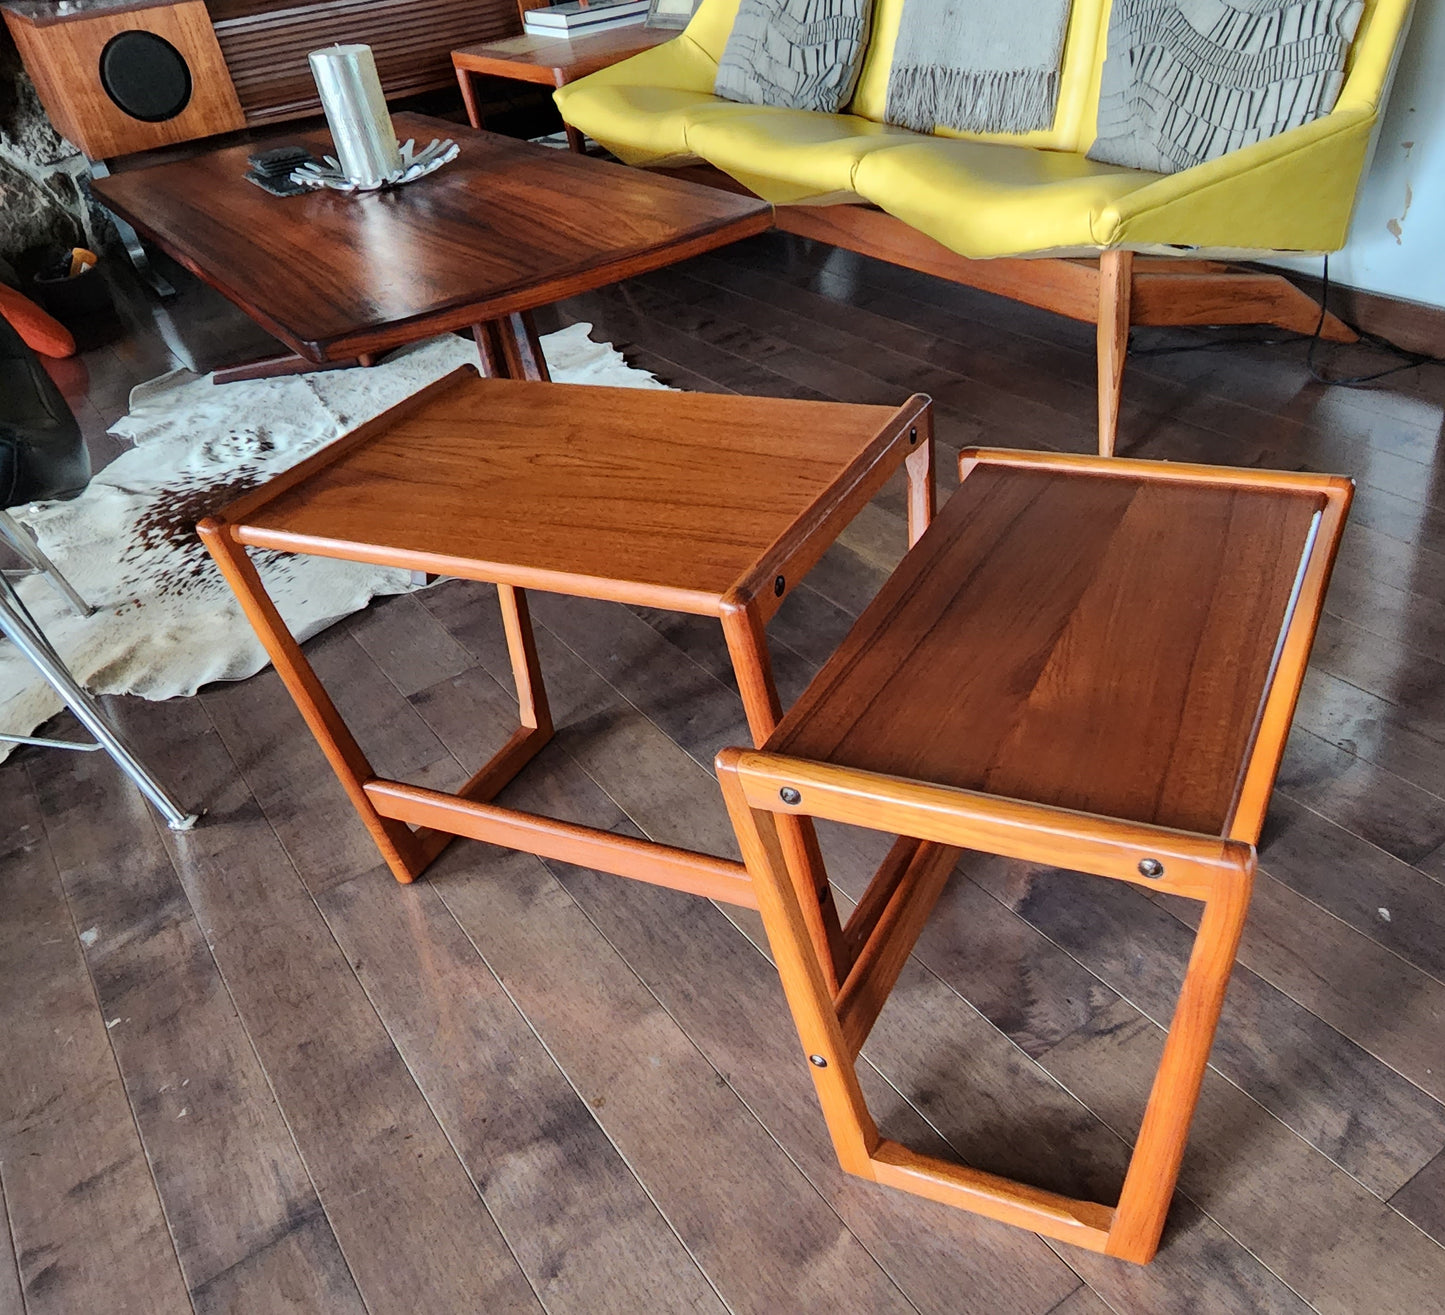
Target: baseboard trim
(1411, 325)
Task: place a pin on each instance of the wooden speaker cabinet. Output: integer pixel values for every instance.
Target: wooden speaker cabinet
(121, 76)
(117, 79)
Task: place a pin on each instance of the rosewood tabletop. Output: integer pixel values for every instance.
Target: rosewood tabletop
(505, 228)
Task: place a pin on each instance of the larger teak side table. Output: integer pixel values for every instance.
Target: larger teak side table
(713, 505)
(503, 229)
(1085, 663)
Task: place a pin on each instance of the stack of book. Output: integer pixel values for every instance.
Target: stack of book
(582, 17)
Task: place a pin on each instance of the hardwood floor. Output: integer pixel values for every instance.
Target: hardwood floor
(245, 1071)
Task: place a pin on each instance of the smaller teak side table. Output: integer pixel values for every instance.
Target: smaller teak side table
(1088, 663)
(714, 505)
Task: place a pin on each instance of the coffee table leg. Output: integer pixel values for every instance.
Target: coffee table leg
(407, 853)
(275, 367)
(489, 349)
(522, 649)
(510, 348)
(469, 97)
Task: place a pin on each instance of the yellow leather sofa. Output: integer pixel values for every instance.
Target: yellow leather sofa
(1027, 215)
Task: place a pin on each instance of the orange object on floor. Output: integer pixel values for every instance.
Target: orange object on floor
(40, 332)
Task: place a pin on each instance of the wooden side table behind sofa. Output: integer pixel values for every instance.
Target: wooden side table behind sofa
(550, 62)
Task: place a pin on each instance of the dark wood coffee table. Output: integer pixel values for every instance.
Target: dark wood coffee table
(505, 228)
(700, 503)
(550, 61)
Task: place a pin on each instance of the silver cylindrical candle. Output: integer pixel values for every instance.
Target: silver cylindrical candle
(356, 113)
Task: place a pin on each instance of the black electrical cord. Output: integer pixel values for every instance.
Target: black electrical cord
(1407, 360)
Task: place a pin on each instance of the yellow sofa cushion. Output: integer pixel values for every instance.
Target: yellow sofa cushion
(982, 199)
(640, 109)
(786, 156)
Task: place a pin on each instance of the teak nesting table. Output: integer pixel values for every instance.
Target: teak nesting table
(715, 505)
(1086, 663)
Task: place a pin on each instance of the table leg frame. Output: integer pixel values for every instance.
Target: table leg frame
(747, 642)
(833, 1022)
(469, 96)
(389, 809)
(398, 844)
(284, 365)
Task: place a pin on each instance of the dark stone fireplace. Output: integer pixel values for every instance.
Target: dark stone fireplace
(42, 197)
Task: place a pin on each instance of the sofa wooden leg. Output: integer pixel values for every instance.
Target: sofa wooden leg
(1116, 280)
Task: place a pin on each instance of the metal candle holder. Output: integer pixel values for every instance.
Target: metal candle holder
(368, 156)
(414, 164)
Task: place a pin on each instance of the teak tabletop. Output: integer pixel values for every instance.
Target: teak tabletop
(1086, 663)
(1059, 640)
(503, 229)
(715, 505)
(671, 499)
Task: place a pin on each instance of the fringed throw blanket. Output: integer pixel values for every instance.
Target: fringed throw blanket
(977, 65)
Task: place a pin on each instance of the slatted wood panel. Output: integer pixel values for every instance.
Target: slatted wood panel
(412, 39)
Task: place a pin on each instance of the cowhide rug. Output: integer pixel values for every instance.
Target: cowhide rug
(166, 623)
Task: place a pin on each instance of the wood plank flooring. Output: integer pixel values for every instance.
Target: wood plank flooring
(245, 1071)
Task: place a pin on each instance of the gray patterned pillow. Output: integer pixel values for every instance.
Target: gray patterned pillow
(1187, 81)
(799, 54)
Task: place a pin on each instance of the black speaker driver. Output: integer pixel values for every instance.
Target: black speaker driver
(145, 76)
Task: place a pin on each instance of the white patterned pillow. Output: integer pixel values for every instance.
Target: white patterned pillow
(1187, 81)
(799, 54)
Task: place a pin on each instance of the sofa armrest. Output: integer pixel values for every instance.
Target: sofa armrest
(1293, 192)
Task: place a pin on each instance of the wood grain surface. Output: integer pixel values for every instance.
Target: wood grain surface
(671, 498)
(63, 60)
(506, 227)
(242, 1210)
(1052, 641)
(86, 1220)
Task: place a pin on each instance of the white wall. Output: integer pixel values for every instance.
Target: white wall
(1397, 240)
